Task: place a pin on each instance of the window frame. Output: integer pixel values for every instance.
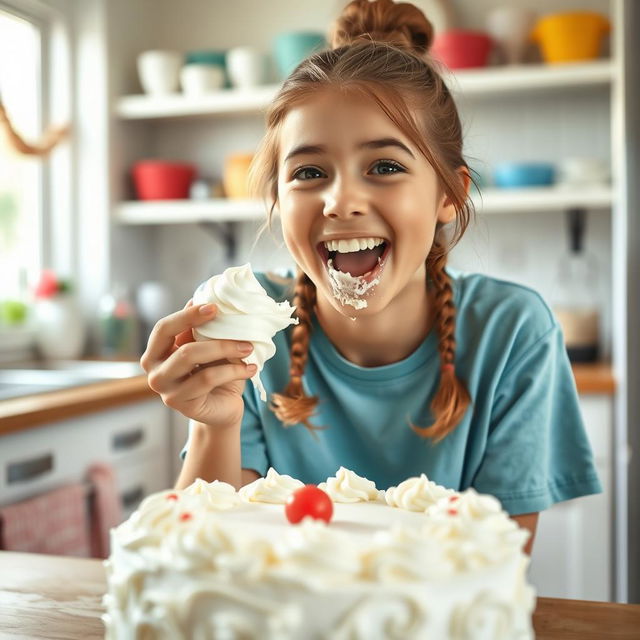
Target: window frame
(57, 239)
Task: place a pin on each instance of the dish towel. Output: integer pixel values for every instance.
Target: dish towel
(106, 510)
(55, 523)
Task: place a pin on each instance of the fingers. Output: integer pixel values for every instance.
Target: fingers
(163, 336)
(188, 357)
(202, 382)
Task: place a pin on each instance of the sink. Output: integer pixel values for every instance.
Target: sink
(26, 378)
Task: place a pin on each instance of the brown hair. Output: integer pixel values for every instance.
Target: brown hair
(379, 49)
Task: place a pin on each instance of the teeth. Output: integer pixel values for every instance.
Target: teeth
(355, 244)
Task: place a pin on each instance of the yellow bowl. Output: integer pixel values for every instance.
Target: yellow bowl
(568, 37)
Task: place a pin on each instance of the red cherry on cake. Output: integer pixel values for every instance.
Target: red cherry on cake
(308, 501)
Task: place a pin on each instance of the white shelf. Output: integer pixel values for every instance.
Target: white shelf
(493, 201)
(472, 82)
(225, 102)
(188, 211)
(543, 199)
(531, 77)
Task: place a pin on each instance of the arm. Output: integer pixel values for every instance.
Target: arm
(214, 449)
(528, 521)
(214, 454)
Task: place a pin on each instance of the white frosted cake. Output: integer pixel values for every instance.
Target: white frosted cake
(415, 561)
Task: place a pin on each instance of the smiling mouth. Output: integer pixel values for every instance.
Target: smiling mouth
(360, 258)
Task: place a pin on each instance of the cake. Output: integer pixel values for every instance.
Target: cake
(245, 312)
(415, 561)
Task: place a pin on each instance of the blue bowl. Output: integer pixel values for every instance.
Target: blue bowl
(291, 48)
(530, 174)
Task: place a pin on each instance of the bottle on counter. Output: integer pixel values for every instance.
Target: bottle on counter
(118, 325)
(577, 303)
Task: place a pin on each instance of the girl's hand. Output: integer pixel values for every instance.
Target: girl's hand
(202, 380)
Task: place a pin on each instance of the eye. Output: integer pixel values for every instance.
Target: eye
(390, 167)
(306, 173)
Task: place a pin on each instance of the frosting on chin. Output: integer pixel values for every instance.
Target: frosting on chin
(245, 312)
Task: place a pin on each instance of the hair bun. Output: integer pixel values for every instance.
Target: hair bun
(401, 24)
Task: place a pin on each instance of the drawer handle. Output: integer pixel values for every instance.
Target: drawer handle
(128, 439)
(29, 469)
(132, 497)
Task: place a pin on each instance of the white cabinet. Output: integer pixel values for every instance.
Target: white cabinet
(134, 439)
(572, 552)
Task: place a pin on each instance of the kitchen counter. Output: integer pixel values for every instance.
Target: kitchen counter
(26, 412)
(57, 597)
(30, 411)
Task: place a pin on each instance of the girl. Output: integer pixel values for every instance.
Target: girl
(399, 365)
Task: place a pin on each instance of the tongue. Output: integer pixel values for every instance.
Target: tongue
(357, 263)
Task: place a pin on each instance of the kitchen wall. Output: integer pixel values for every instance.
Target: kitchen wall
(521, 247)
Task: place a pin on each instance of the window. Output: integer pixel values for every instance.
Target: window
(21, 176)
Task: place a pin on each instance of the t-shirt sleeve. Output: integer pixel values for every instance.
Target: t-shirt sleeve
(537, 451)
(253, 447)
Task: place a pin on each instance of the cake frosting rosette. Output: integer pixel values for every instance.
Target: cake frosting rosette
(245, 312)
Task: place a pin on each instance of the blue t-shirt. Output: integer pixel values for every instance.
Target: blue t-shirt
(522, 439)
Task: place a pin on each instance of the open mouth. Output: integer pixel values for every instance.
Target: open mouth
(358, 257)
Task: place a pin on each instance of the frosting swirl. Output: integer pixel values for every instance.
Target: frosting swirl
(273, 488)
(416, 494)
(245, 312)
(347, 486)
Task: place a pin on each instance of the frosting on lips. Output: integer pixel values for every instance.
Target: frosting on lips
(352, 290)
(245, 312)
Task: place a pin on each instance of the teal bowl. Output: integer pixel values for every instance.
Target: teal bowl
(292, 47)
(512, 175)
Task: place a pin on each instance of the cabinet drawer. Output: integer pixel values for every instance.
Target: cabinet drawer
(130, 431)
(32, 462)
(138, 479)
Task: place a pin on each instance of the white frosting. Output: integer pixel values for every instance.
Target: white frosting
(349, 289)
(347, 486)
(245, 312)
(207, 562)
(416, 494)
(273, 488)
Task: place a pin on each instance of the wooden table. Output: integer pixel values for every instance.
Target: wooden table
(52, 597)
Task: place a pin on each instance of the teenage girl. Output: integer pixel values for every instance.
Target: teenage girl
(399, 364)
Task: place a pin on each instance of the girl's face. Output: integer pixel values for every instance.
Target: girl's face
(346, 172)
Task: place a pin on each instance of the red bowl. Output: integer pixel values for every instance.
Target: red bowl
(461, 48)
(159, 180)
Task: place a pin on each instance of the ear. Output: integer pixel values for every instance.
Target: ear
(446, 208)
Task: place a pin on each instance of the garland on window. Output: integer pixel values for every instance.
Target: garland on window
(51, 137)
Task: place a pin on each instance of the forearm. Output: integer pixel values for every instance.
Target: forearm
(213, 454)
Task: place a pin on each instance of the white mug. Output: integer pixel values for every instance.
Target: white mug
(246, 67)
(159, 71)
(510, 27)
(197, 79)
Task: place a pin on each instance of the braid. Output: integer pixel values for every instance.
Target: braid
(452, 398)
(292, 405)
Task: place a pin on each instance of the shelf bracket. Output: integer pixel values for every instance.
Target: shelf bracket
(224, 232)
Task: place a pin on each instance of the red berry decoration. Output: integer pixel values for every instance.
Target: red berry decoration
(308, 501)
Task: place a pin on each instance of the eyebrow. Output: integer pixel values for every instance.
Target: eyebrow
(369, 144)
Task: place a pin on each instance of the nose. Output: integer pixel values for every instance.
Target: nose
(345, 198)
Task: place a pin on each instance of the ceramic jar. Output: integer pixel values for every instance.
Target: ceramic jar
(159, 71)
(198, 79)
(246, 67)
(60, 328)
(509, 27)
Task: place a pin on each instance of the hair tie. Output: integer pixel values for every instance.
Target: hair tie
(448, 367)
